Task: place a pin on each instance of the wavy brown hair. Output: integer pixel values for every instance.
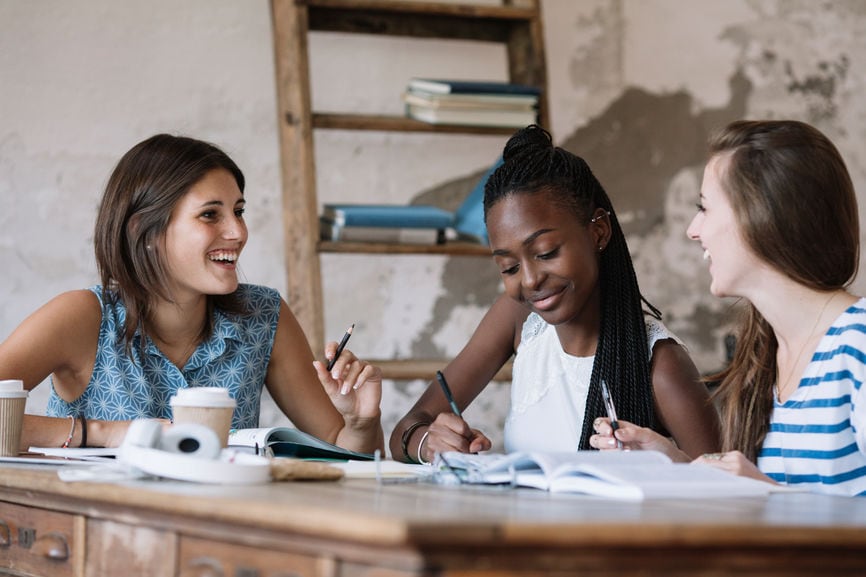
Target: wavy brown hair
(134, 213)
(795, 204)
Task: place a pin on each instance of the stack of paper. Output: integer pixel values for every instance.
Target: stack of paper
(471, 103)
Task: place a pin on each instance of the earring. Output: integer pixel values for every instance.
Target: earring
(599, 217)
(600, 247)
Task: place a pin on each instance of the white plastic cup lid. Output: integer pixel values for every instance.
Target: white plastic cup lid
(12, 388)
(203, 397)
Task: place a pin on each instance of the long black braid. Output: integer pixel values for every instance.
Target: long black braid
(532, 165)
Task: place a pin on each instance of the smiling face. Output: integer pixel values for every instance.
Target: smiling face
(733, 265)
(548, 258)
(204, 238)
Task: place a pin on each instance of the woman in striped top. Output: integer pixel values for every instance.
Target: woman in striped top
(778, 222)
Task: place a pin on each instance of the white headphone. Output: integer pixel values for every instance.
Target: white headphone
(189, 452)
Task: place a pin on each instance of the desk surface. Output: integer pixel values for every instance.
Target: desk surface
(793, 530)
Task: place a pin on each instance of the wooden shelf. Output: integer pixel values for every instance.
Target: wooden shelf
(450, 248)
(410, 369)
(339, 121)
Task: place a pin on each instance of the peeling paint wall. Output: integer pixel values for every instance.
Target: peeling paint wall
(635, 86)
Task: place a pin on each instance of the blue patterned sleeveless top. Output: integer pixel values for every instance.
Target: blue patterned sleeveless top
(236, 357)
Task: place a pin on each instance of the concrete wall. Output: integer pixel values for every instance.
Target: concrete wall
(635, 86)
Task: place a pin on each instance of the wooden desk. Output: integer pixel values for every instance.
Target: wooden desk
(356, 528)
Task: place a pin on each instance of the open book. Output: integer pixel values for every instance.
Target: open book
(289, 442)
(628, 475)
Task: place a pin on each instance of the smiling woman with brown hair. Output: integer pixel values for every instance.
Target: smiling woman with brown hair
(171, 313)
(779, 226)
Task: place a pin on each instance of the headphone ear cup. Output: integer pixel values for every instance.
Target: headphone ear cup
(191, 439)
(143, 433)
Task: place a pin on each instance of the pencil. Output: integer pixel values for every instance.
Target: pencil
(611, 411)
(447, 390)
(341, 346)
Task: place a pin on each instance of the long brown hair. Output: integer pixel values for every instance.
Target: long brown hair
(134, 213)
(795, 204)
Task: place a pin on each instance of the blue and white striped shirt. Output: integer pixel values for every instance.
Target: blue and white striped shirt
(817, 438)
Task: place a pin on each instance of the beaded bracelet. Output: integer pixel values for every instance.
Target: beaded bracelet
(68, 440)
(406, 437)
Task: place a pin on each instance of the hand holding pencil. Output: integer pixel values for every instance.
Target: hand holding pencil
(449, 431)
(354, 385)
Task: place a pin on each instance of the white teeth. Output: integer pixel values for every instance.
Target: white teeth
(706, 254)
(223, 256)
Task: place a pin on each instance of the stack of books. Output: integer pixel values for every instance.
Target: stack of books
(471, 103)
(389, 223)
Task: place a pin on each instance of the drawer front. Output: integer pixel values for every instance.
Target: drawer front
(40, 542)
(210, 558)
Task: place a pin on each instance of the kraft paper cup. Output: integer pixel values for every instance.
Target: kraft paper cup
(13, 398)
(209, 406)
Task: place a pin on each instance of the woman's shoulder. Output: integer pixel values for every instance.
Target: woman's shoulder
(76, 303)
(657, 331)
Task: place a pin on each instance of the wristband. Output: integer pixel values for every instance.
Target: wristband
(83, 430)
(407, 435)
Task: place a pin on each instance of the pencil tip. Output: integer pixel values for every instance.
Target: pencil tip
(349, 330)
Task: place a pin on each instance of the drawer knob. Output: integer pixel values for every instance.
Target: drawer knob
(52, 546)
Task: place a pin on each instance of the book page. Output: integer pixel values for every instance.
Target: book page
(249, 437)
(657, 481)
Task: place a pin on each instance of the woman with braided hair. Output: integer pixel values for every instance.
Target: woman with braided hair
(572, 313)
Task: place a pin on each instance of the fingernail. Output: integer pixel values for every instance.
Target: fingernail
(345, 389)
(611, 442)
(335, 374)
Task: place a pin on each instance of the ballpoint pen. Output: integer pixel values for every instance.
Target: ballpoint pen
(447, 390)
(341, 346)
(611, 412)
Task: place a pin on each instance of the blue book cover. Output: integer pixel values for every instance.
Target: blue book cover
(388, 215)
(471, 87)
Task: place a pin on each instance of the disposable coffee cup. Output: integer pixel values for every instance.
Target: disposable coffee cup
(13, 398)
(209, 406)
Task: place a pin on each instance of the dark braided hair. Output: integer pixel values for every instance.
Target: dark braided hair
(533, 165)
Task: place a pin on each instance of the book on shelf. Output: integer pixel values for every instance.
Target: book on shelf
(330, 231)
(473, 117)
(471, 87)
(290, 442)
(624, 475)
(345, 221)
(388, 215)
(471, 101)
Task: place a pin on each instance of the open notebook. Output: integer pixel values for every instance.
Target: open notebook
(628, 475)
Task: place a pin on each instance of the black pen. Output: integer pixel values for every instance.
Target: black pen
(611, 412)
(445, 389)
(341, 346)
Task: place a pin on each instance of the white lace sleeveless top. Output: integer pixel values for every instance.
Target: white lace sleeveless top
(549, 388)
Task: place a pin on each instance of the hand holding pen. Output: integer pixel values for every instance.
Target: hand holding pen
(449, 434)
(611, 412)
